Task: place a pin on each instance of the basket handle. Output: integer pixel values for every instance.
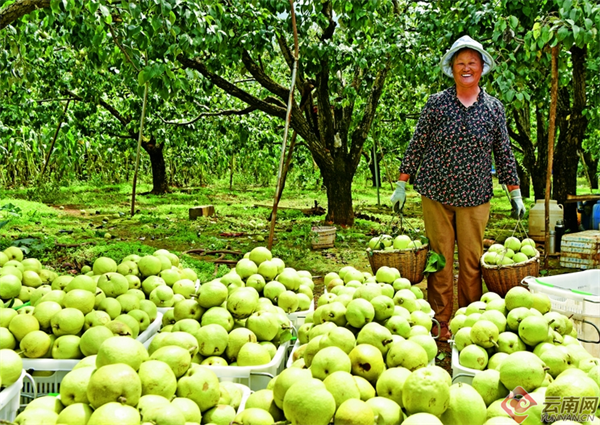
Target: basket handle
(439, 329)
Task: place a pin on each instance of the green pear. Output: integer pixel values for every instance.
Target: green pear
(68, 321)
(242, 302)
(114, 382)
(465, 406)
(50, 403)
(44, 313)
(113, 284)
(36, 416)
(22, 324)
(190, 410)
(121, 349)
(201, 385)
(157, 378)
(236, 339)
(178, 358)
(67, 347)
(35, 344)
(73, 387)
(181, 339)
(80, 299)
(309, 402)
(131, 322)
(82, 282)
(367, 361)
(110, 306)
(119, 328)
(92, 339)
(114, 412)
(75, 414)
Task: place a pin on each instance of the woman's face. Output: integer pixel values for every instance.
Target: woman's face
(467, 67)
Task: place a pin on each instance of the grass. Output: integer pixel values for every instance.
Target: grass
(67, 227)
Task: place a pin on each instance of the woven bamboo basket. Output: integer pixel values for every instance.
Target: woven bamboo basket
(410, 262)
(323, 237)
(500, 279)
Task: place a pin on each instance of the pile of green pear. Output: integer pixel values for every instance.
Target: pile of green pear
(517, 341)
(124, 384)
(513, 251)
(230, 325)
(159, 278)
(356, 351)
(68, 317)
(388, 243)
(286, 287)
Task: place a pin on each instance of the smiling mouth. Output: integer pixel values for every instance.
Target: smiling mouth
(467, 75)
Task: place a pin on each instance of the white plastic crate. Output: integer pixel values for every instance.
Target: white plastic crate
(152, 329)
(460, 373)
(47, 375)
(576, 295)
(255, 377)
(246, 391)
(10, 398)
(297, 318)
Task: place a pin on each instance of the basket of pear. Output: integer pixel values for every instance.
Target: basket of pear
(407, 255)
(505, 266)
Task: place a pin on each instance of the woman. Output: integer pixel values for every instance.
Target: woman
(458, 130)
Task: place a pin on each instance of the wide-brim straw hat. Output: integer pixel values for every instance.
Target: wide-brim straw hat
(466, 42)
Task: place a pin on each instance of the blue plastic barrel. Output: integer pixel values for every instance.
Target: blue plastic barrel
(596, 216)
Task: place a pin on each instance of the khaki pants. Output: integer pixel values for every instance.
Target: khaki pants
(445, 224)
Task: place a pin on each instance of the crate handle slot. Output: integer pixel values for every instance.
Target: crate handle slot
(597, 331)
(461, 375)
(439, 329)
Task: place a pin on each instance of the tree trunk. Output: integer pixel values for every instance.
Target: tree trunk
(376, 178)
(159, 170)
(338, 181)
(524, 180)
(572, 125)
(20, 8)
(591, 165)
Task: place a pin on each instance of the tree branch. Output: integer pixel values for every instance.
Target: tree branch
(113, 111)
(264, 80)
(211, 114)
(362, 131)
(18, 9)
(328, 12)
(228, 87)
(116, 39)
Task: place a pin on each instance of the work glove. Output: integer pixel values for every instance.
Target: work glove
(516, 201)
(399, 196)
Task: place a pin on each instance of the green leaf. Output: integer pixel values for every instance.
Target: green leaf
(441, 356)
(537, 30)
(562, 33)
(514, 22)
(567, 5)
(576, 33)
(435, 262)
(588, 24)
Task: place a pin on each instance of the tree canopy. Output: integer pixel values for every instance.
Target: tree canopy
(364, 65)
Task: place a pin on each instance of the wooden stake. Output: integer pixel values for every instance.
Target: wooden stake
(288, 117)
(139, 145)
(54, 138)
(551, 132)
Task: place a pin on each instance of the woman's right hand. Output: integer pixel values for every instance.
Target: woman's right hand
(399, 196)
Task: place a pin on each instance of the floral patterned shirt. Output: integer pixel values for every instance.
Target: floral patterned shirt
(453, 147)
